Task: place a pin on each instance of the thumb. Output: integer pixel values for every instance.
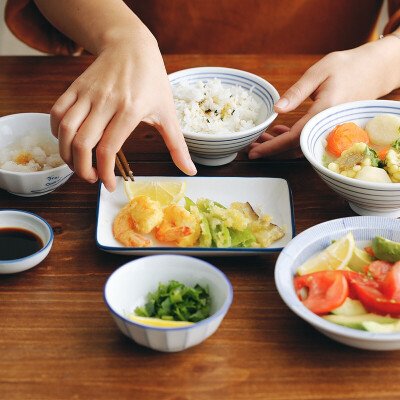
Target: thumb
(303, 88)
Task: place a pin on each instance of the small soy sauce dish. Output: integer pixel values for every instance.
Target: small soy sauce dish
(25, 240)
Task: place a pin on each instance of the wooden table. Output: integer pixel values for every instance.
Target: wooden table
(57, 339)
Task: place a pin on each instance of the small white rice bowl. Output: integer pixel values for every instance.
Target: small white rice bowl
(30, 164)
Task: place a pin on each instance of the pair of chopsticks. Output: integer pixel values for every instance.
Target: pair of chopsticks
(123, 166)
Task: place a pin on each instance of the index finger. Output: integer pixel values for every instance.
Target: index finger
(114, 136)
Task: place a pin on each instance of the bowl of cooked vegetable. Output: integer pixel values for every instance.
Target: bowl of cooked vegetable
(168, 302)
(221, 111)
(355, 148)
(343, 277)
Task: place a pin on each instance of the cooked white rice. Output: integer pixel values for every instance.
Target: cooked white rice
(212, 108)
(30, 154)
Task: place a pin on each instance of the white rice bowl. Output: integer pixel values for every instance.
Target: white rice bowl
(219, 145)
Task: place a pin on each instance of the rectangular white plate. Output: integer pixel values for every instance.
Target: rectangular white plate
(270, 195)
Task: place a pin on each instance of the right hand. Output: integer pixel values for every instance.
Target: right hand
(125, 85)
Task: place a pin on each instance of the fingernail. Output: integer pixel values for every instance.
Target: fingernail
(254, 155)
(191, 168)
(282, 103)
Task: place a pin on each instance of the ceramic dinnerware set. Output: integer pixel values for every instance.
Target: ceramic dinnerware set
(128, 285)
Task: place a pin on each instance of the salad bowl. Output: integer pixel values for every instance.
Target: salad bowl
(311, 242)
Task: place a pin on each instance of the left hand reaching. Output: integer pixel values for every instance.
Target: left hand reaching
(366, 72)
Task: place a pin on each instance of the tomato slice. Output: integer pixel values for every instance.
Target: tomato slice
(375, 301)
(353, 277)
(391, 284)
(378, 270)
(369, 251)
(327, 290)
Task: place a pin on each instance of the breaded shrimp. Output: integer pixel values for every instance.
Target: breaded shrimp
(145, 213)
(124, 230)
(178, 226)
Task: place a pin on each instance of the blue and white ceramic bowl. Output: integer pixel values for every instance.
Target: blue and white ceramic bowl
(33, 223)
(29, 184)
(311, 242)
(219, 149)
(365, 198)
(128, 287)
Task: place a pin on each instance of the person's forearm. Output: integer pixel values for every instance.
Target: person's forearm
(94, 24)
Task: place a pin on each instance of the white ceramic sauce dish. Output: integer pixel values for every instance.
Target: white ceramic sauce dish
(128, 287)
(30, 222)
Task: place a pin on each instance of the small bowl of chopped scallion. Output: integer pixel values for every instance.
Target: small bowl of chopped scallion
(168, 302)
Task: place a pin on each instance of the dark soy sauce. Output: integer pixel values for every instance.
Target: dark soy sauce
(18, 243)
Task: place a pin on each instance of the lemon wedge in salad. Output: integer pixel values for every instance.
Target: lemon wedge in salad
(163, 192)
(162, 323)
(336, 256)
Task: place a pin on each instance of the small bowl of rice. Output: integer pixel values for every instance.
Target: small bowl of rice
(30, 164)
(221, 111)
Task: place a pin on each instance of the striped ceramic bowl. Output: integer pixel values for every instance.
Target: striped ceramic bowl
(311, 242)
(365, 198)
(128, 287)
(219, 149)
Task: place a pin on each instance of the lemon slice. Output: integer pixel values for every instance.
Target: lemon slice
(164, 192)
(336, 256)
(163, 323)
(359, 259)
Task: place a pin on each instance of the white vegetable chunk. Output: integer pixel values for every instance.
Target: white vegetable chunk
(383, 129)
(373, 174)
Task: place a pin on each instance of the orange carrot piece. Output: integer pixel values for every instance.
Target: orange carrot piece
(382, 154)
(344, 136)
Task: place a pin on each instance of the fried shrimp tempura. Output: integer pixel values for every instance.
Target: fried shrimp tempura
(140, 215)
(178, 226)
(145, 213)
(124, 230)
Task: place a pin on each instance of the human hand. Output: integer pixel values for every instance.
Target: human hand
(366, 72)
(125, 85)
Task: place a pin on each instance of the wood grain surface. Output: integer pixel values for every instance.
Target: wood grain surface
(57, 338)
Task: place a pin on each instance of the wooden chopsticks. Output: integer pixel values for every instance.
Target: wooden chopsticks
(123, 166)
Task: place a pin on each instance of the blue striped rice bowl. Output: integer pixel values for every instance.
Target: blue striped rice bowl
(365, 198)
(222, 148)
